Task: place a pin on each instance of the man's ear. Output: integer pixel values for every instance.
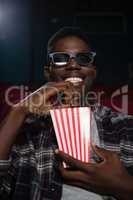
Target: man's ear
(47, 73)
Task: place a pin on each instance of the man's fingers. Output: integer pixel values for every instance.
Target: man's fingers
(74, 163)
(73, 175)
(41, 97)
(59, 90)
(103, 153)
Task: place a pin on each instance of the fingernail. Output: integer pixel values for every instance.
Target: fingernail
(56, 151)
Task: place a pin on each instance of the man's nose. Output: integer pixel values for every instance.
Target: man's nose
(73, 64)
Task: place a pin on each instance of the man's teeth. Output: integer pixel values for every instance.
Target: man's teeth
(74, 79)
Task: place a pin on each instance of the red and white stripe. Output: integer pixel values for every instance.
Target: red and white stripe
(73, 130)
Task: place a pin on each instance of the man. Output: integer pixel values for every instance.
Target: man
(30, 167)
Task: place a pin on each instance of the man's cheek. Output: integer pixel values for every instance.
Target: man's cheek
(91, 74)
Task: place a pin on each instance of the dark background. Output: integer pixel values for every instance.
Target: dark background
(26, 25)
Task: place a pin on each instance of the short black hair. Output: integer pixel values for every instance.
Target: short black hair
(66, 32)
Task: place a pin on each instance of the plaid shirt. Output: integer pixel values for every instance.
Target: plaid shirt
(31, 173)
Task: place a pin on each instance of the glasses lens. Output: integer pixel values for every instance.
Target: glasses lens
(60, 59)
(84, 58)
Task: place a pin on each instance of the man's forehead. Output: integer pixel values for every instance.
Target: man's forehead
(71, 43)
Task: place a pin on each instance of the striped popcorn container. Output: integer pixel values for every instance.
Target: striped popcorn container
(73, 131)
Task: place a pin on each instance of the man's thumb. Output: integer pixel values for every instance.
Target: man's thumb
(102, 153)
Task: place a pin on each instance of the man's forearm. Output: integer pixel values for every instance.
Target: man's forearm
(8, 131)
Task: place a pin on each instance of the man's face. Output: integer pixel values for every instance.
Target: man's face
(72, 69)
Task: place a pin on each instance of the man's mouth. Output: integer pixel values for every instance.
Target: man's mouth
(74, 80)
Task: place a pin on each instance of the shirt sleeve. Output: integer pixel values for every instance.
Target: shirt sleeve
(7, 177)
(126, 144)
(8, 169)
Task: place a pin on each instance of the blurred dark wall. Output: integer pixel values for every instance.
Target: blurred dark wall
(15, 41)
(25, 27)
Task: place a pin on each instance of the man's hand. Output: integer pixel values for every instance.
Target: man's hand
(107, 177)
(47, 97)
